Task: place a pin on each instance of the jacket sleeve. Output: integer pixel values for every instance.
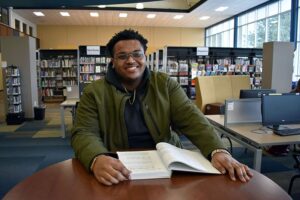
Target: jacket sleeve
(191, 122)
(86, 140)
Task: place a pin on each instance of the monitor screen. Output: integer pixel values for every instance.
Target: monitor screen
(280, 109)
(256, 93)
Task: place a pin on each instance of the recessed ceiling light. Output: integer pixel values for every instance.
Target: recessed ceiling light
(139, 6)
(178, 16)
(65, 14)
(94, 14)
(102, 6)
(39, 14)
(123, 15)
(222, 8)
(151, 16)
(204, 17)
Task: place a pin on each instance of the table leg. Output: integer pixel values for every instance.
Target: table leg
(62, 118)
(257, 159)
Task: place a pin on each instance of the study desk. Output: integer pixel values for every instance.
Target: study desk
(244, 134)
(69, 180)
(69, 103)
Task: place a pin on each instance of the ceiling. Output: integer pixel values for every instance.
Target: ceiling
(164, 10)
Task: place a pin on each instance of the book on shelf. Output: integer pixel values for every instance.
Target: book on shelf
(160, 163)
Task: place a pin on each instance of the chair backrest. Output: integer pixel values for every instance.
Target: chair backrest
(216, 89)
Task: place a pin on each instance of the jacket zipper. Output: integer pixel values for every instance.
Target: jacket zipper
(122, 107)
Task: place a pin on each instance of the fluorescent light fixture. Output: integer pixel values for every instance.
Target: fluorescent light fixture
(151, 16)
(139, 6)
(65, 14)
(102, 6)
(204, 17)
(178, 16)
(220, 9)
(38, 13)
(94, 14)
(123, 15)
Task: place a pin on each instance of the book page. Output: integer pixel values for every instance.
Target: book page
(184, 160)
(144, 164)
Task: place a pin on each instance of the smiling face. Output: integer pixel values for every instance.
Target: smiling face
(129, 62)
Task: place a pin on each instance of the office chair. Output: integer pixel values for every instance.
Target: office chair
(297, 165)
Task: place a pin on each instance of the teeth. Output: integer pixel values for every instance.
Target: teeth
(131, 68)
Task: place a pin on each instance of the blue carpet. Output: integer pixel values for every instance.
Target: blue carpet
(15, 169)
(36, 125)
(21, 157)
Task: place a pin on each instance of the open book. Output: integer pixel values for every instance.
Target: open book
(161, 162)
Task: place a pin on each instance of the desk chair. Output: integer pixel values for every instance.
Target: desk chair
(297, 165)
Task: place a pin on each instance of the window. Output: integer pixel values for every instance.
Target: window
(30, 31)
(24, 28)
(220, 35)
(17, 24)
(296, 73)
(269, 23)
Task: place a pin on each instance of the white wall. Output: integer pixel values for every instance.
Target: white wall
(22, 20)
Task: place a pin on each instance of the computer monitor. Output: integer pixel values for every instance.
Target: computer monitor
(255, 93)
(280, 109)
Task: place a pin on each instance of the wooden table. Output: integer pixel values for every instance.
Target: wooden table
(246, 135)
(69, 180)
(69, 103)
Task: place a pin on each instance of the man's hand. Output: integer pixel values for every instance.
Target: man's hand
(225, 163)
(109, 170)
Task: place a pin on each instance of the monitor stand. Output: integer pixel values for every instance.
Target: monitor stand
(277, 127)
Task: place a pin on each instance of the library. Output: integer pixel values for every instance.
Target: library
(73, 92)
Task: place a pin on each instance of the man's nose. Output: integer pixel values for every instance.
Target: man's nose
(130, 58)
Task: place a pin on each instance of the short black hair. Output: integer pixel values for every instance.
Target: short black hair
(127, 34)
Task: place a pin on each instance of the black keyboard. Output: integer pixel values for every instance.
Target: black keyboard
(287, 132)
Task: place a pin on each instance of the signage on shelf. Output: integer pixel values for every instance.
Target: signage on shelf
(202, 51)
(92, 50)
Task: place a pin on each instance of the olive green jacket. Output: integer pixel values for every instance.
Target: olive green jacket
(100, 125)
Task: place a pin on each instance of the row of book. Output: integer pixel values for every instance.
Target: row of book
(12, 71)
(15, 81)
(49, 92)
(91, 68)
(15, 108)
(69, 73)
(69, 83)
(13, 90)
(181, 80)
(90, 77)
(50, 83)
(14, 99)
(94, 60)
(57, 63)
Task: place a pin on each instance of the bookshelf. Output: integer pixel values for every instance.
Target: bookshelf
(236, 61)
(185, 63)
(178, 63)
(57, 70)
(93, 62)
(159, 61)
(15, 114)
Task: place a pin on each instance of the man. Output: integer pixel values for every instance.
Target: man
(135, 108)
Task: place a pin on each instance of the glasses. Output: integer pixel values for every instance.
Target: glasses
(134, 55)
